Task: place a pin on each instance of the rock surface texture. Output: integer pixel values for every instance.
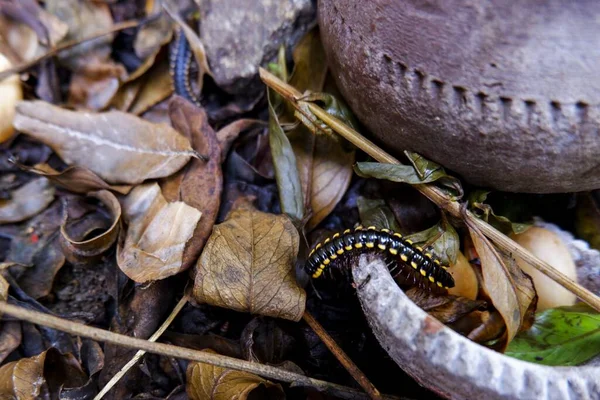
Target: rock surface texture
(505, 94)
(241, 35)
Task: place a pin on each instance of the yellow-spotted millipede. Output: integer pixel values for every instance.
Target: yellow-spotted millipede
(410, 258)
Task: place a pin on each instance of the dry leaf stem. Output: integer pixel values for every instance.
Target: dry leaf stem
(431, 192)
(342, 357)
(140, 353)
(266, 371)
(67, 45)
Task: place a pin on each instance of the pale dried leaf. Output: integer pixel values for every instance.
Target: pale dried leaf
(510, 290)
(22, 379)
(156, 236)
(76, 179)
(119, 147)
(27, 201)
(331, 176)
(248, 265)
(209, 382)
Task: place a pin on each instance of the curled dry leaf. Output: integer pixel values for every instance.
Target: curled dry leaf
(77, 249)
(248, 265)
(156, 236)
(119, 147)
(10, 338)
(41, 376)
(27, 201)
(509, 289)
(76, 179)
(11, 93)
(206, 382)
(200, 183)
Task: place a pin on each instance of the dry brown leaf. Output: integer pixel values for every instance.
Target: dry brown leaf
(248, 265)
(76, 249)
(230, 132)
(10, 338)
(22, 379)
(119, 147)
(76, 179)
(208, 382)
(94, 85)
(510, 290)
(200, 183)
(156, 236)
(446, 308)
(157, 86)
(325, 168)
(27, 201)
(41, 376)
(11, 94)
(331, 176)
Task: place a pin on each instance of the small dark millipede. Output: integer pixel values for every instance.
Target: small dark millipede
(384, 241)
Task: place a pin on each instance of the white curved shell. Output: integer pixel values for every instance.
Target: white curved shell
(449, 363)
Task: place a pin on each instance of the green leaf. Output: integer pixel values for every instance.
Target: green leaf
(564, 336)
(419, 172)
(485, 212)
(374, 212)
(442, 238)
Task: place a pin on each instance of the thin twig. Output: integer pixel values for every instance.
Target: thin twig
(78, 329)
(342, 357)
(52, 52)
(140, 353)
(430, 191)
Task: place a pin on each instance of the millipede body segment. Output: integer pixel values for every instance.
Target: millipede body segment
(384, 241)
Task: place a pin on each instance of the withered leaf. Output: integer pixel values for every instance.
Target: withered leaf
(10, 338)
(119, 147)
(77, 249)
(40, 376)
(156, 236)
(208, 382)
(76, 179)
(510, 290)
(331, 176)
(375, 212)
(446, 308)
(200, 183)
(27, 201)
(248, 265)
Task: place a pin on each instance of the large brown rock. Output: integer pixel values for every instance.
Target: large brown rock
(506, 94)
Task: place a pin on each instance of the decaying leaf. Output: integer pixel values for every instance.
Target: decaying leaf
(76, 179)
(41, 376)
(561, 336)
(248, 265)
(36, 244)
(208, 382)
(286, 171)
(200, 183)
(79, 248)
(27, 201)
(510, 290)
(443, 239)
(10, 337)
(485, 211)
(374, 212)
(447, 309)
(420, 171)
(119, 147)
(156, 236)
(587, 222)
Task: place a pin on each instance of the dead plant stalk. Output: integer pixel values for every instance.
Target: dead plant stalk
(434, 194)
